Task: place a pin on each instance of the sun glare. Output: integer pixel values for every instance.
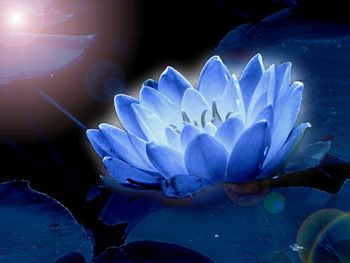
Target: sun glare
(16, 19)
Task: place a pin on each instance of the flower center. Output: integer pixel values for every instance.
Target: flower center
(215, 118)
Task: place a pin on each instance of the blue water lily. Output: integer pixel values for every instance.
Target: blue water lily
(182, 139)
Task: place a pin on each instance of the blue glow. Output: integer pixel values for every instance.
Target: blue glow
(182, 139)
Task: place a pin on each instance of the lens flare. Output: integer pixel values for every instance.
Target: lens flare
(16, 19)
(19, 25)
(274, 203)
(325, 237)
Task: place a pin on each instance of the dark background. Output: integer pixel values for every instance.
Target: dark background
(151, 34)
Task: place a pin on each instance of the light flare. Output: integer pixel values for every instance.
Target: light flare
(16, 19)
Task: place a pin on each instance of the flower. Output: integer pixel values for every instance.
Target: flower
(182, 139)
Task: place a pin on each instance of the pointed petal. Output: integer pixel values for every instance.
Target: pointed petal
(286, 120)
(260, 104)
(151, 125)
(206, 158)
(120, 146)
(182, 185)
(267, 85)
(229, 132)
(167, 161)
(251, 77)
(248, 154)
(125, 174)
(282, 101)
(151, 83)
(266, 114)
(173, 85)
(126, 114)
(139, 147)
(231, 100)
(283, 79)
(194, 104)
(188, 133)
(99, 143)
(213, 79)
(156, 102)
(283, 155)
(271, 84)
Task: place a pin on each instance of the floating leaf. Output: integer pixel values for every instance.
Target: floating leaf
(155, 252)
(128, 207)
(45, 55)
(71, 258)
(36, 228)
(36, 6)
(266, 232)
(17, 259)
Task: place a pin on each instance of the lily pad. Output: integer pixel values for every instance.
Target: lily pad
(45, 55)
(149, 251)
(128, 205)
(55, 16)
(36, 228)
(35, 6)
(266, 232)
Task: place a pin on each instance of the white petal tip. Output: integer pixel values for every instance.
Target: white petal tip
(104, 126)
(215, 57)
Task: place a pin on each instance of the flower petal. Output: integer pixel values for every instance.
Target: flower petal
(248, 154)
(122, 148)
(260, 104)
(99, 143)
(123, 106)
(267, 85)
(188, 133)
(173, 85)
(156, 102)
(181, 185)
(139, 147)
(151, 125)
(151, 83)
(173, 138)
(266, 114)
(283, 155)
(210, 129)
(206, 158)
(194, 104)
(287, 96)
(283, 79)
(231, 100)
(166, 160)
(123, 173)
(213, 79)
(250, 78)
(288, 114)
(229, 132)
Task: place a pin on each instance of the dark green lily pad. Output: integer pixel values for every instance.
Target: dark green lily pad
(36, 228)
(265, 232)
(151, 252)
